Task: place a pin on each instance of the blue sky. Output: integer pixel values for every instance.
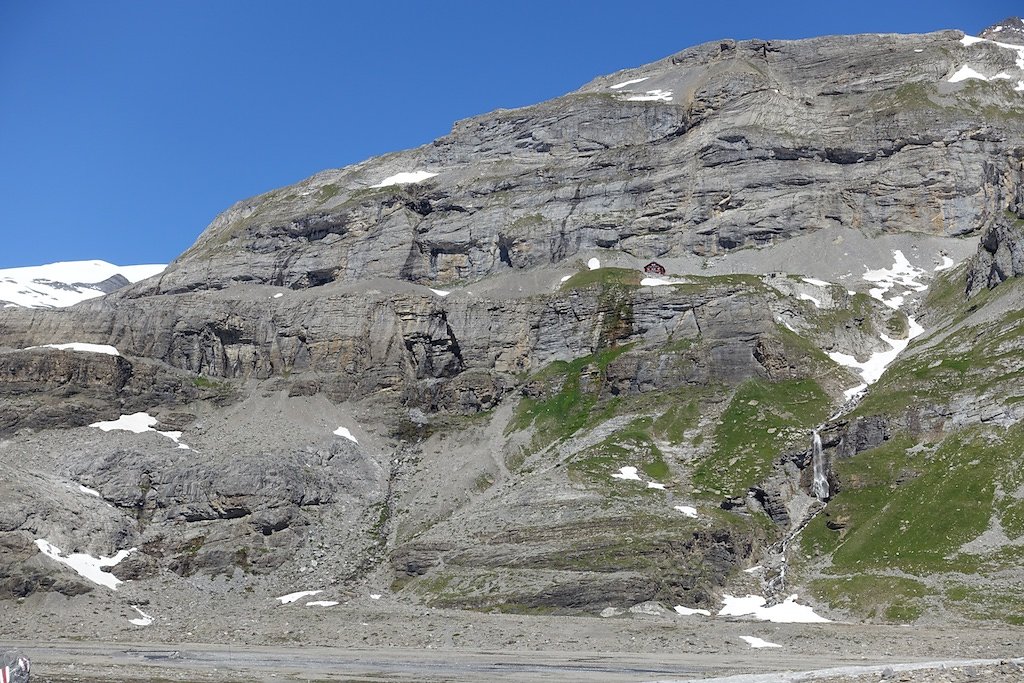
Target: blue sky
(125, 127)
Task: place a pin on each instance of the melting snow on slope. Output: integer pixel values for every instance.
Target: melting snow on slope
(86, 565)
(66, 283)
(322, 603)
(655, 282)
(655, 485)
(594, 263)
(91, 492)
(871, 369)
(439, 292)
(80, 346)
(808, 297)
(630, 82)
(137, 423)
(687, 611)
(405, 178)
(657, 95)
(565, 278)
(816, 283)
(345, 433)
(946, 264)
(627, 473)
(687, 510)
(901, 273)
(143, 620)
(966, 73)
(757, 642)
(786, 612)
(1019, 49)
(298, 595)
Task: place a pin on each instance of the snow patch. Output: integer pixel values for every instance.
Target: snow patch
(656, 95)
(278, 295)
(143, 620)
(966, 73)
(594, 263)
(687, 611)
(345, 433)
(297, 595)
(405, 178)
(786, 612)
(80, 346)
(376, 596)
(687, 510)
(757, 642)
(137, 423)
(656, 282)
(91, 492)
(322, 603)
(901, 273)
(816, 283)
(850, 393)
(808, 297)
(86, 565)
(753, 570)
(439, 292)
(946, 264)
(629, 82)
(565, 278)
(871, 369)
(627, 473)
(655, 485)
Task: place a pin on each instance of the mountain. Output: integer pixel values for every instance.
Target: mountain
(1010, 30)
(56, 285)
(444, 375)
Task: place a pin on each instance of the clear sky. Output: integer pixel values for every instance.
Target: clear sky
(126, 126)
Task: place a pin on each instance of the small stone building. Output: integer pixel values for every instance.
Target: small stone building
(654, 268)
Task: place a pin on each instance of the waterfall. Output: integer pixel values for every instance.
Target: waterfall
(820, 487)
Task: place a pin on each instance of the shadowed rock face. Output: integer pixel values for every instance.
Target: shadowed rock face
(1000, 254)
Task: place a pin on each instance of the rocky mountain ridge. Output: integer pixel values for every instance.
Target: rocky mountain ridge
(442, 374)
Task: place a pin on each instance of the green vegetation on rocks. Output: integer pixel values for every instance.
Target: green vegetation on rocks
(760, 421)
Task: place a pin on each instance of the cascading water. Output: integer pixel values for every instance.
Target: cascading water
(819, 487)
(774, 579)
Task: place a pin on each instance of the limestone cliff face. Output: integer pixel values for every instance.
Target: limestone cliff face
(742, 144)
(533, 431)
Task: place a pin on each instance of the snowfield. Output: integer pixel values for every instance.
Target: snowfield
(405, 178)
(786, 612)
(65, 283)
(137, 423)
(86, 565)
(80, 346)
(344, 433)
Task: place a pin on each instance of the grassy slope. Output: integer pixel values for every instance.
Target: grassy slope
(890, 542)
